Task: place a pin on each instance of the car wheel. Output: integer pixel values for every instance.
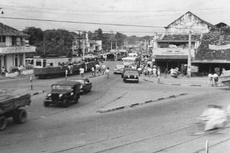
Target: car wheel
(46, 104)
(20, 116)
(65, 103)
(124, 80)
(3, 123)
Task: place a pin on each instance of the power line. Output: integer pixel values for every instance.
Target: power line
(115, 11)
(48, 20)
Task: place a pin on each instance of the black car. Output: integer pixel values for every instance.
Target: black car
(64, 93)
(131, 75)
(86, 85)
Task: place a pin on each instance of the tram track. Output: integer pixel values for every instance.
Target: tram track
(192, 138)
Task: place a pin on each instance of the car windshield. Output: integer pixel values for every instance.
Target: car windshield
(61, 87)
(131, 72)
(120, 66)
(80, 81)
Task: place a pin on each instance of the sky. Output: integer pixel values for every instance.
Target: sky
(130, 17)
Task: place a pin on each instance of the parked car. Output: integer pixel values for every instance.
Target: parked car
(131, 75)
(86, 85)
(64, 93)
(118, 69)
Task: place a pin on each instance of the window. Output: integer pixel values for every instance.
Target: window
(2, 38)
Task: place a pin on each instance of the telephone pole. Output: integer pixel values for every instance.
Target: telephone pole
(189, 54)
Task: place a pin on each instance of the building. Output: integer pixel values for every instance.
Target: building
(172, 49)
(214, 51)
(13, 47)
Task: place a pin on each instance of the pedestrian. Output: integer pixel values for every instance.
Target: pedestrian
(82, 72)
(154, 71)
(214, 117)
(103, 69)
(139, 70)
(210, 79)
(158, 74)
(93, 70)
(107, 72)
(149, 71)
(166, 72)
(215, 79)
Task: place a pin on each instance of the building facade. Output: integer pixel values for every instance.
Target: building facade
(13, 47)
(172, 49)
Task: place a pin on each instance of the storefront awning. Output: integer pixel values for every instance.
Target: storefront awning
(171, 57)
(210, 61)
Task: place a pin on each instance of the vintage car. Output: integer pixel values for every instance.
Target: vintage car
(131, 75)
(118, 69)
(64, 93)
(86, 85)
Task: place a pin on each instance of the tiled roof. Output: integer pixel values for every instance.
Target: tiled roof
(9, 31)
(205, 53)
(181, 37)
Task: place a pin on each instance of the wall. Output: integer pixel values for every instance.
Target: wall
(183, 24)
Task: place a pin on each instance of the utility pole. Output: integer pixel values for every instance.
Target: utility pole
(79, 42)
(189, 54)
(111, 45)
(116, 45)
(44, 49)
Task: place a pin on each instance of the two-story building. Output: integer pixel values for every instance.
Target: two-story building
(172, 49)
(13, 47)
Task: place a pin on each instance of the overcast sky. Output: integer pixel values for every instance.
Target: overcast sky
(154, 13)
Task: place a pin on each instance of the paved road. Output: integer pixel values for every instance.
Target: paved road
(154, 127)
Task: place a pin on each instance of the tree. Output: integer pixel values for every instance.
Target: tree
(35, 35)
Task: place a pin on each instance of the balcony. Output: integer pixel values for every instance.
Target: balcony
(18, 49)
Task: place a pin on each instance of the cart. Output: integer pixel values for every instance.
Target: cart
(10, 106)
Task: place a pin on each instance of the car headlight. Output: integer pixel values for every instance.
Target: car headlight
(81, 86)
(71, 93)
(60, 95)
(48, 95)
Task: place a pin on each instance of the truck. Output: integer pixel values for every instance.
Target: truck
(11, 106)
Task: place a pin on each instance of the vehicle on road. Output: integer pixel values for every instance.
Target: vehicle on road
(110, 57)
(118, 69)
(45, 67)
(86, 85)
(10, 106)
(131, 75)
(63, 93)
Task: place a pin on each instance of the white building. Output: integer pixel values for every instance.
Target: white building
(13, 47)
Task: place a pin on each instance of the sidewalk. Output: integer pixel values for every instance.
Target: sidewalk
(180, 81)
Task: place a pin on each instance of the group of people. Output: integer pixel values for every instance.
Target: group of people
(152, 71)
(96, 70)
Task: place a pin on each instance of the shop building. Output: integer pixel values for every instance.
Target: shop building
(172, 49)
(214, 51)
(13, 47)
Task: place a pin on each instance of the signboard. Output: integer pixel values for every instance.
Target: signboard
(221, 47)
(172, 51)
(20, 49)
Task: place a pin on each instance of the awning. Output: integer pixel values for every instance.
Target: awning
(211, 61)
(171, 57)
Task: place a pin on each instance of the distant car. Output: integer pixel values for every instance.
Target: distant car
(86, 85)
(131, 75)
(118, 69)
(64, 93)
